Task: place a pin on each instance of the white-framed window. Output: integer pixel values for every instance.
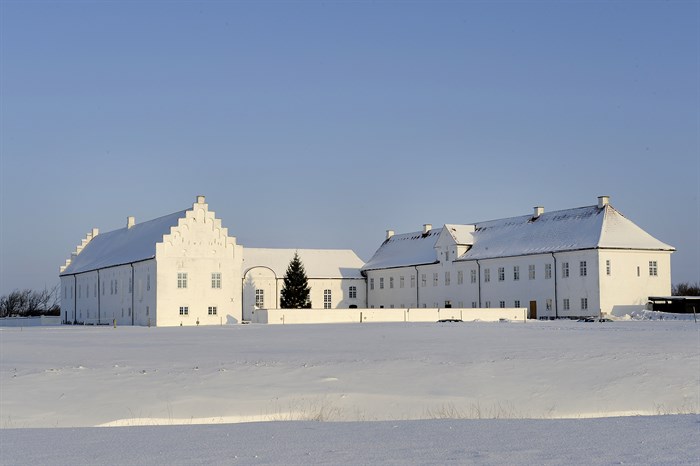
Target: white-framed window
(639, 271)
(95, 290)
(516, 272)
(413, 281)
(182, 279)
(474, 304)
(131, 285)
(423, 280)
(502, 304)
(435, 279)
(516, 303)
(584, 304)
(531, 271)
(472, 274)
(547, 271)
(352, 292)
(447, 278)
(371, 283)
(259, 298)
(381, 283)
(583, 268)
(564, 270)
(184, 310)
(548, 304)
(501, 274)
(460, 277)
(211, 310)
(653, 269)
(327, 299)
(148, 310)
(216, 280)
(103, 288)
(487, 304)
(129, 312)
(111, 286)
(401, 282)
(608, 267)
(148, 282)
(487, 275)
(391, 282)
(567, 306)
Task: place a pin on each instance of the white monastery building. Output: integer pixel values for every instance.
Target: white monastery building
(185, 269)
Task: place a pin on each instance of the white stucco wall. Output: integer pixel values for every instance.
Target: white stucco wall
(198, 247)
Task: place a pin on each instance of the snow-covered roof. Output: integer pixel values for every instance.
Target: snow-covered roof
(564, 230)
(318, 263)
(123, 246)
(405, 249)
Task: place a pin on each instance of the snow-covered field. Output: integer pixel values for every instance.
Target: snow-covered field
(487, 393)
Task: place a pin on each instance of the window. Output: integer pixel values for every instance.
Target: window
(653, 269)
(182, 279)
(148, 310)
(111, 287)
(460, 278)
(216, 280)
(326, 299)
(371, 283)
(608, 267)
(548, 304)
(131, 286)
(516, 303)
(531, 271)
(448, 304)
(129, 312)
(148, 282)
(211, 310)
(116, 282)
(584, 304)
(487, 275)
(487, 304)
(95, 290)
(639, 273)
(381, 283)
(435, 280)
(422, 279)
(184, 311)
(473, 276)
(413, 281)
(474, 304)
(502, 304)
(103, 288)
(447, 278)
(352, 292)
(516, 272)
(501, 274)
(547, 271)
(583, 268)
(401, 282)
(564, 270)
(391, 282)
(567, 306)
(259, 298)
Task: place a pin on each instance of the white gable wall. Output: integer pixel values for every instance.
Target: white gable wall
(630, 281)
(198, 247)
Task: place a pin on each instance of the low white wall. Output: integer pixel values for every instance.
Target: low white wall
(30, 321)
(325, 316)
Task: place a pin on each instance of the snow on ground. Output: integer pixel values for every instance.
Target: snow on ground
(657, 440)
(525, 374)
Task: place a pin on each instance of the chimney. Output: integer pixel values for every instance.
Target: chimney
(201, 200)
(427, 227)
(603, 201)
(539, 210)
(389, 234)
(130, 222)
(95, 232)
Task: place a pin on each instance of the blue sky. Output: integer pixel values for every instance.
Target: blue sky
(322, 124)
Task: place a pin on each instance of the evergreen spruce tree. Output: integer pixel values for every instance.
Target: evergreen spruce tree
(295, 294)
